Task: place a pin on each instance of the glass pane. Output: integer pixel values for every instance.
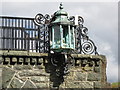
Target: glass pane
(57, 34)
(65, 34)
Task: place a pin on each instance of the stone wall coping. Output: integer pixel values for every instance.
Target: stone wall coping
(101, 57)
(35, 54)
(21, 53)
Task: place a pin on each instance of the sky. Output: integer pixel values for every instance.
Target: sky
(101, 19)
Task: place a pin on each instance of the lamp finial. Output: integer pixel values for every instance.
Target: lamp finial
(61, 6)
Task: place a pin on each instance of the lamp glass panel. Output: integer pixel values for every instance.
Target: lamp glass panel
(56, 35)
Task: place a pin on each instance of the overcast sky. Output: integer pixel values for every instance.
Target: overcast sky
(101, 19)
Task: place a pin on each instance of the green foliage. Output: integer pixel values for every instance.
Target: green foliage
(116, 85)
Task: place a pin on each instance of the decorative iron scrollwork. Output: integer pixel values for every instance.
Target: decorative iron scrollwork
(80, 20)
(64, 64)
(84, 32)
(39, 19)
(47, 17)
(88, 47)
(72, 19)
(84, 44)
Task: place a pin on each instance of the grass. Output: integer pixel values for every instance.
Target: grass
(116, 85)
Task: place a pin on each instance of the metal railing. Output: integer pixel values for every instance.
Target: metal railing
(17, 33)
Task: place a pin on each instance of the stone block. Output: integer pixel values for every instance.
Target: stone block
(39, 66)
(9, 66)
(26, 61)
(97, 84)
(7, 75)
(37, 54)
(33, 73)
(33, 61)
(78, 63)
(97, 63)
(79, 85)
(47, 78)
(22, 78)
(85, 85)
(62, 85)
(16, 83)
(42, 85)
(39, 61)
(1, 66)
(13, 61)
(38, 79)
(16, 53)
(29, 84)
(77, 69)
(79, 76)
(97, 69)
(70, 78)
(71, 85)
(22, 67)
(20, 61)
(93, 76)
(87, 68)
(71, 73)
(1, 52)
(84, 62)
(1, 60)
(6, 60)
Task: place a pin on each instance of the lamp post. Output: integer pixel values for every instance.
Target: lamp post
(66, 35)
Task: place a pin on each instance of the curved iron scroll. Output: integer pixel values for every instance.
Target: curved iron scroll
(88, 47)
(83, 43)
(42, 22)
(62, 63)
(41, 19)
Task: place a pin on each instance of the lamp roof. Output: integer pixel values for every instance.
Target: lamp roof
(60, 17)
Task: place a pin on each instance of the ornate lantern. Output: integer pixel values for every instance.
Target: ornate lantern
(62, 34)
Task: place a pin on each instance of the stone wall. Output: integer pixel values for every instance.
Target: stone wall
(89, 72)
(32, 70)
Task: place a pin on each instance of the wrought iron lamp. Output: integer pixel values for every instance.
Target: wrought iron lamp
(64, 37)
(62, 34)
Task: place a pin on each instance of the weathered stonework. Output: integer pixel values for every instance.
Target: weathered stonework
(16, 83)
(32, 70)
(7, 75)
